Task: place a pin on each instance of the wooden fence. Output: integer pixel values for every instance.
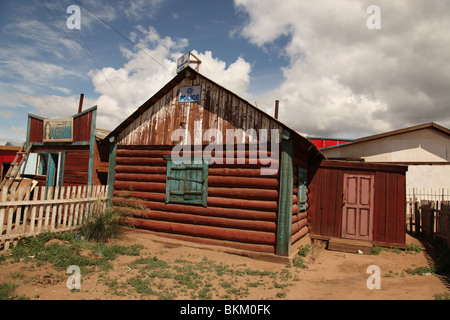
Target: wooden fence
(29, 211)
(428, 214)
(415, 197)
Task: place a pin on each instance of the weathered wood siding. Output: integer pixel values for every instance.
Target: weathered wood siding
(326, 200)
(219, 109)
(76, 160)
(81, 127)
(241, 207)
(76, 164)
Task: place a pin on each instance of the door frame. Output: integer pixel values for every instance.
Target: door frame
(344, 231)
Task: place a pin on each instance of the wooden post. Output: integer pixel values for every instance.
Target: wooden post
(92, 147)
(33, 211)
(111, 170)
(448, 230)
(431, 223)
(277, 103)
(284, 220)
(417, 218)
(80, 105)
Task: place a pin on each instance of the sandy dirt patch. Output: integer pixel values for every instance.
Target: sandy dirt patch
(183, 271)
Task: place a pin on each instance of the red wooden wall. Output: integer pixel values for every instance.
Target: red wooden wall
(8, 155)
(81, 128)
(76, 166)
(325, 200)
(241, 207)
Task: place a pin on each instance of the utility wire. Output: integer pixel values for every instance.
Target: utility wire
(78, 37)
(123, 36)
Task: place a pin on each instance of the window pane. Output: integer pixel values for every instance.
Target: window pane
(43, 164)
(302, 185)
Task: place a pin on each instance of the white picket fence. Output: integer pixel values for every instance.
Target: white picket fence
(29, 211)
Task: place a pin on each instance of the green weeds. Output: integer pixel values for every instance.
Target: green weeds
(7, 292)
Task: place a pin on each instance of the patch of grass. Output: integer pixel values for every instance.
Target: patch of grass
(420, 271)
(205, 292)
(444, 296)
(412, 247)
(102, 225)
(141, 286)
(303, 252)
(148, 276)
(147, 264)
(18, 275)
(7, 292)
(68, 249)
(376, 250)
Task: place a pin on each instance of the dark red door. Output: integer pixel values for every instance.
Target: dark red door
(357, 214)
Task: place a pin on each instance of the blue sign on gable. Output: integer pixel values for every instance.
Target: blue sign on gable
(190, 94)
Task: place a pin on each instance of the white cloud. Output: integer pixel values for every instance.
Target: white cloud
(54, 106)
(63, 90)
(139, 9)
(235, 77)
(122, 90)
(346, 80)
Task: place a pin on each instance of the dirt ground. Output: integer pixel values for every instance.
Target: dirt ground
(329, 275)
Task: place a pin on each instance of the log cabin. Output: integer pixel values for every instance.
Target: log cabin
(197, 162)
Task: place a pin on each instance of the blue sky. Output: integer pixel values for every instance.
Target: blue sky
(334, 77)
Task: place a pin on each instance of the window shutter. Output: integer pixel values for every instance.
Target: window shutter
(187, 183)
(302, 185)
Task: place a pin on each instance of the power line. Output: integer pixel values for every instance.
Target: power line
(78, 37)
(120, 34)
(91, 60)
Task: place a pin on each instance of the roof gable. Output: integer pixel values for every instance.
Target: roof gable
(218, 103)
(429, 125)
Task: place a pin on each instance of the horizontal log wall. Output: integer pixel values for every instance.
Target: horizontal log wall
(300, 219)
(241, 207)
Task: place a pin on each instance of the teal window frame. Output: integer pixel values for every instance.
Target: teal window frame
(48, 163)
(302, 198)
(187, 182)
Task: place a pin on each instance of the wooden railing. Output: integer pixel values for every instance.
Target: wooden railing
(29, 211)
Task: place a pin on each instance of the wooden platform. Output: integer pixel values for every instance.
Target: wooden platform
(349, 245)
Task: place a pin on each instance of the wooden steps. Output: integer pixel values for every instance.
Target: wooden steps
(349, 245)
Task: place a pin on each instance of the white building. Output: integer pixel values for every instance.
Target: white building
(424, 148)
